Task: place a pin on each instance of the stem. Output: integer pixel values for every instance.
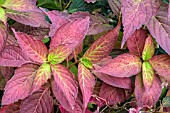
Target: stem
(73, 64)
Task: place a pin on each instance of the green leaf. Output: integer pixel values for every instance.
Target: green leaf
(2, 2)
(86, 63)
(45, 40)
(166, 101)
(3, 16)
(148, 74)
(149, 49)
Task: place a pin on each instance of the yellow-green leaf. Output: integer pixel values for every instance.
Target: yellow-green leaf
(86, 63)
(2, 2)
(3, 17)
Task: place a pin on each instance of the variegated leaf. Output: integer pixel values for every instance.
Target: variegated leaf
(125, 65)
(13, 56)
(115, 5)
(3, 36)
(103, 46)
(135, 13)
(39, 102)
(86, 82)
(12, 108)
(64, 86)
(35, 49)
(3, 16)
(19, 86)
(161, 64)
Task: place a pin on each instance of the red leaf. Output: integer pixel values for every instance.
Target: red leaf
(34, 19)
(71, 33)
(159, 28)
(39, 102)
(112, 95)
(124, 65)
(90, 1)
(37, 32)
(12, 108)
(41, 77)
(136, 42)
(147, 97)
(35, 49)
(21, 5)
(115, 5)
(86, 82)
(64, 86)
(11, 40)
(169, 10)
(13, 56)
(19, 86)
(59, 53)
(161, 64)
(115, 81)
(103, 46)
(136, 13)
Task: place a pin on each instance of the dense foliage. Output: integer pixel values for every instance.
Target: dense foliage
(84, 56)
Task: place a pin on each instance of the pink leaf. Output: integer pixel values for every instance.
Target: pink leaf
(13, 56)
(3, 36)
(39, 102)
(7, 72)
(12, 108)
(58, 19)
(35, 49)
(21, 5)
(90, 1)
(41, 77)
(124, 65)
(169, 10)
(161, 64)
(135, 13)
(86, 82)
(64, 86)
(34, 19)
(147, 97)
(112, 95)
(71, 33)
(136, 42)
(115, 5)
(103, 46)
(159, 28)
(19, 86)
(11, 40)
(115, 81)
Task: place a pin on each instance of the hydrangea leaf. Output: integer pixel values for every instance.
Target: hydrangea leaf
(159, 28)
(64, 86)
(161, 64)
(124, 83)
(136, 42)
(149, 96)
(147, 74)
(13, 56)
(21, 5)
(115, 5)
(39, 102)
(135, 13)
(19, 86)
(86, 82)
(71, 33)
(102, 46)
(59, 54)
(35, 19)
(41, 77)
(149, 49)
(35, 49)
(86, 63)
(3, 16)
(112, 95)
(124, 65)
